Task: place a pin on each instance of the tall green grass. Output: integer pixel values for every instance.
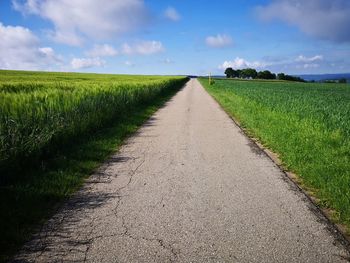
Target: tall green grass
(55, 129)
(42, 111)
(308, 125)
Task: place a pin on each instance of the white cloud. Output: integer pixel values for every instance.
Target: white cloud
(67, 37)
(129, 63)
(303, 62)
(30, 6)
(240, 63)
(218, 41)
(307, 66)
(322, 19)
(291, 65)
(102, 51)
(79, 63)
(167, 61)
(74, 21)
(302, 58)
(172, 14)
(143, 48)
(20, 49)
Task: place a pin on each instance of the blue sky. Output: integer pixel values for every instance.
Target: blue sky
(175, 37)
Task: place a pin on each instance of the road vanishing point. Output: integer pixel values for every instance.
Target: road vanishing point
(189, 186)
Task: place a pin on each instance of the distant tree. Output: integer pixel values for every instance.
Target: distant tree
(249, 73)
(282, 76)
(236, 73)
(243, 74)
(343, 80)
(229, 73)
(266, 75)
(261, 75)
(293, 78)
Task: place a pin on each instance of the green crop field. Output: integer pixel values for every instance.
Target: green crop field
(55, 129)
(308, 125)
(41, 110)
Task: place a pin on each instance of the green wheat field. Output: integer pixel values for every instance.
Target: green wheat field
(55, 130)
(307, 124)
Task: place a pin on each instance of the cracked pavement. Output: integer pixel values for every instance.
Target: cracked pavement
(187, 187)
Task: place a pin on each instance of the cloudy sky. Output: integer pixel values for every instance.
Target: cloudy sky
(175, 36)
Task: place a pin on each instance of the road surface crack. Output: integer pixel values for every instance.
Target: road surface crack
(161, 242)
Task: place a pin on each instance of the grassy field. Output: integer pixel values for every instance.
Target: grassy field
(308, 125)
(55, 129)
(40, 111)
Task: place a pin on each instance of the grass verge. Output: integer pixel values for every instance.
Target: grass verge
(307, 125)
(27, 202)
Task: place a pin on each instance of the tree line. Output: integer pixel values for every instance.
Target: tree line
(250, 73)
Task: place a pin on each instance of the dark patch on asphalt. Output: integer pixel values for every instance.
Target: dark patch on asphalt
(255, 148)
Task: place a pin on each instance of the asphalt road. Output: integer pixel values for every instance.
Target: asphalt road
(188, 187)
